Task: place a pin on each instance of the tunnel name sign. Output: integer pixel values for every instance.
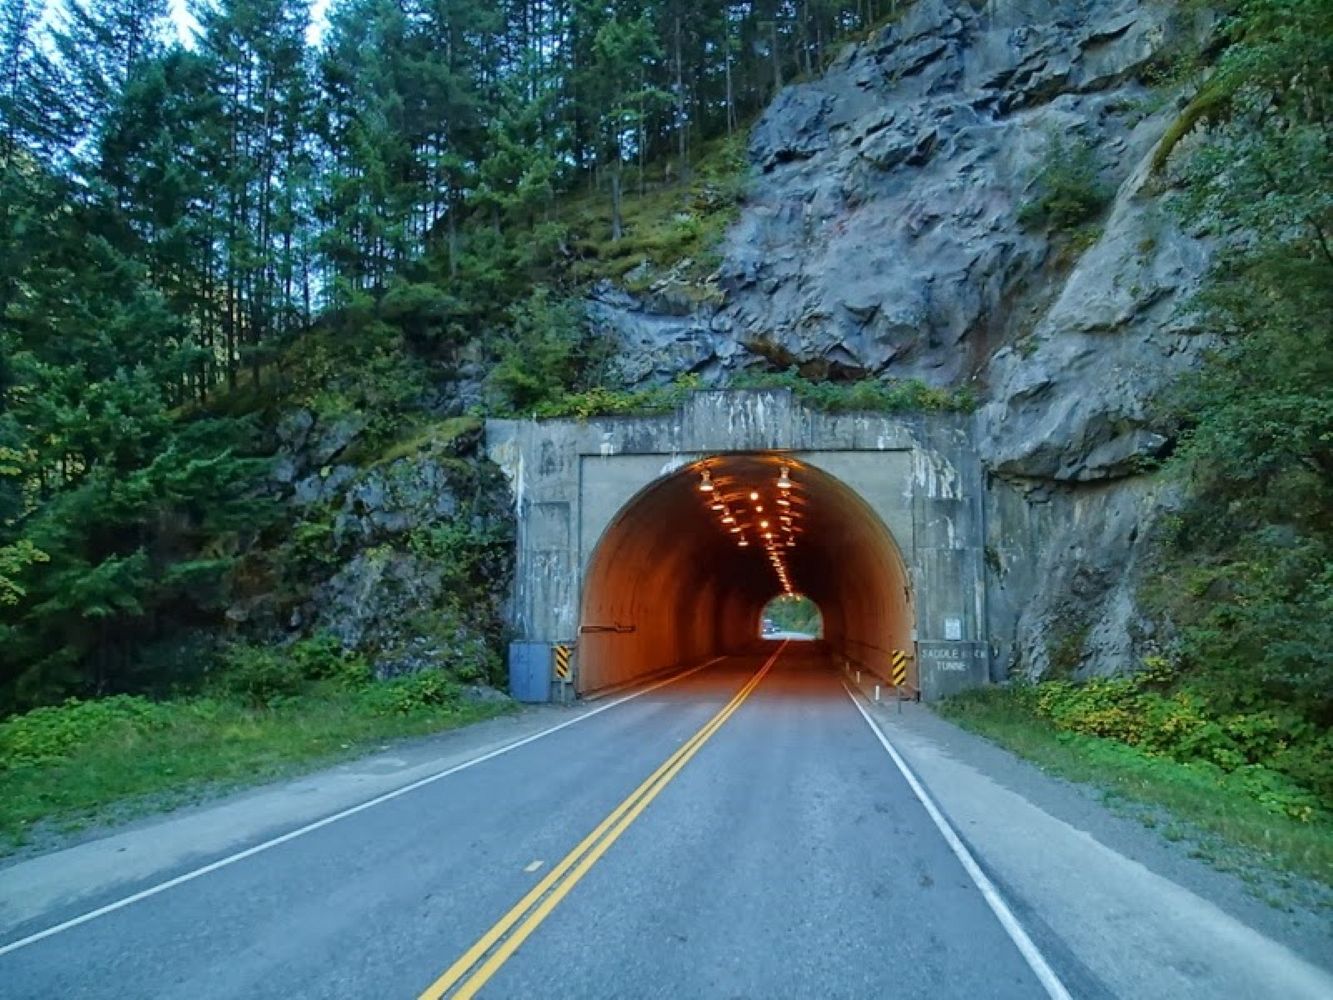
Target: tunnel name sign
(949, 667)
(952, 656)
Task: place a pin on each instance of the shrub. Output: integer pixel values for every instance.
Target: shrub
(548, 353)
(1068, 189)
(323, 657)
(1287, 761)
(412, 693)
(260, 675)
(864, 395)
(46, 735)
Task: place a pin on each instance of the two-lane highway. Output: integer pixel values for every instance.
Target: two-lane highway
(738, 831)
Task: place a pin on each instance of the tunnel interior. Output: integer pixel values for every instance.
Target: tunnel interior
(685, 569)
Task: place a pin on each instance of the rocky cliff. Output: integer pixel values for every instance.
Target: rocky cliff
(403, 553)
(884, 234)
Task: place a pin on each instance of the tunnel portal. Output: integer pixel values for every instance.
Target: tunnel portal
(684, 571)
(649, 543)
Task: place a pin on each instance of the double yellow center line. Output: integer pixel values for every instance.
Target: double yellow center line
(480, 962)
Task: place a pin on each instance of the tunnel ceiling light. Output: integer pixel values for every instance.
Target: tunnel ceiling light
(736, 530)
(743, 543)
(783, 501)
(728, 519)
(754, 495)
(784, 483)
(718, 505)
(763, 524)
(705, 482)
(758, 508)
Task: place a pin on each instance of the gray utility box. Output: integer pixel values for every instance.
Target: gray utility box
(530, 671)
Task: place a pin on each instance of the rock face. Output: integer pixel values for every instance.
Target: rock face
(389, 538)
(881, 236)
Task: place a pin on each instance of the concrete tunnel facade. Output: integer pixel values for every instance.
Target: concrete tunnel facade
(623, 560)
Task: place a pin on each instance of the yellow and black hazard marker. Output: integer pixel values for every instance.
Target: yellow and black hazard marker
(562, 669)
(899, 662)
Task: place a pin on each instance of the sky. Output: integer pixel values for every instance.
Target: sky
(186, 24)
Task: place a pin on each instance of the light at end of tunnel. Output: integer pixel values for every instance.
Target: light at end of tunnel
(705, 482)
(784, 482)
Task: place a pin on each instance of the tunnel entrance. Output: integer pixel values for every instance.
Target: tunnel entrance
(687, 566)
(791, 616)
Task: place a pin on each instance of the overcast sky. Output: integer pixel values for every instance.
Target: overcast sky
(185, 24)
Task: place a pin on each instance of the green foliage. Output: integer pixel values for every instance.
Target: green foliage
(601, 402)
(547, 354)
(1246, 563)
(1282, 758)
(260, 676)
(864, 395)
(666, 228)
(471, 555)
(54, 732)
(106, 760)
(412, 693)
(448, 435)
(1068, 188)
(1268, 815)
(323, 657)
(311, 541)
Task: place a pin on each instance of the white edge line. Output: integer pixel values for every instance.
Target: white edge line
(1036, 961)
(250, 852)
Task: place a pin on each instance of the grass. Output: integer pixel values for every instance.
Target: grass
(442, 435)
(669, 223)
(183, 751)
(1200, 798)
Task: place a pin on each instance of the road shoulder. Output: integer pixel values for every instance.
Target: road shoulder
(162, 846)
(1134, 909)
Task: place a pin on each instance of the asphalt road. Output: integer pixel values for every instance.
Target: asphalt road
(749, 841)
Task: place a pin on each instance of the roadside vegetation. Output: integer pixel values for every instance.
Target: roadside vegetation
(264, 715)
(1057, 725)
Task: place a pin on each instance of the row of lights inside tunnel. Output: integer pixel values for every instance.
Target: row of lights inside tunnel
(741, 511)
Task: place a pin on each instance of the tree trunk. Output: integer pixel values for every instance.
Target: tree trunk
(682, 116)
(616, 223)
(731, 96)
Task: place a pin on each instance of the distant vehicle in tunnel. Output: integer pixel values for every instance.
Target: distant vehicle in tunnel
(768, 627)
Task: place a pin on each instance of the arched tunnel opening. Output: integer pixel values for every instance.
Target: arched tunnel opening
(686, 568)
(793, 617)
